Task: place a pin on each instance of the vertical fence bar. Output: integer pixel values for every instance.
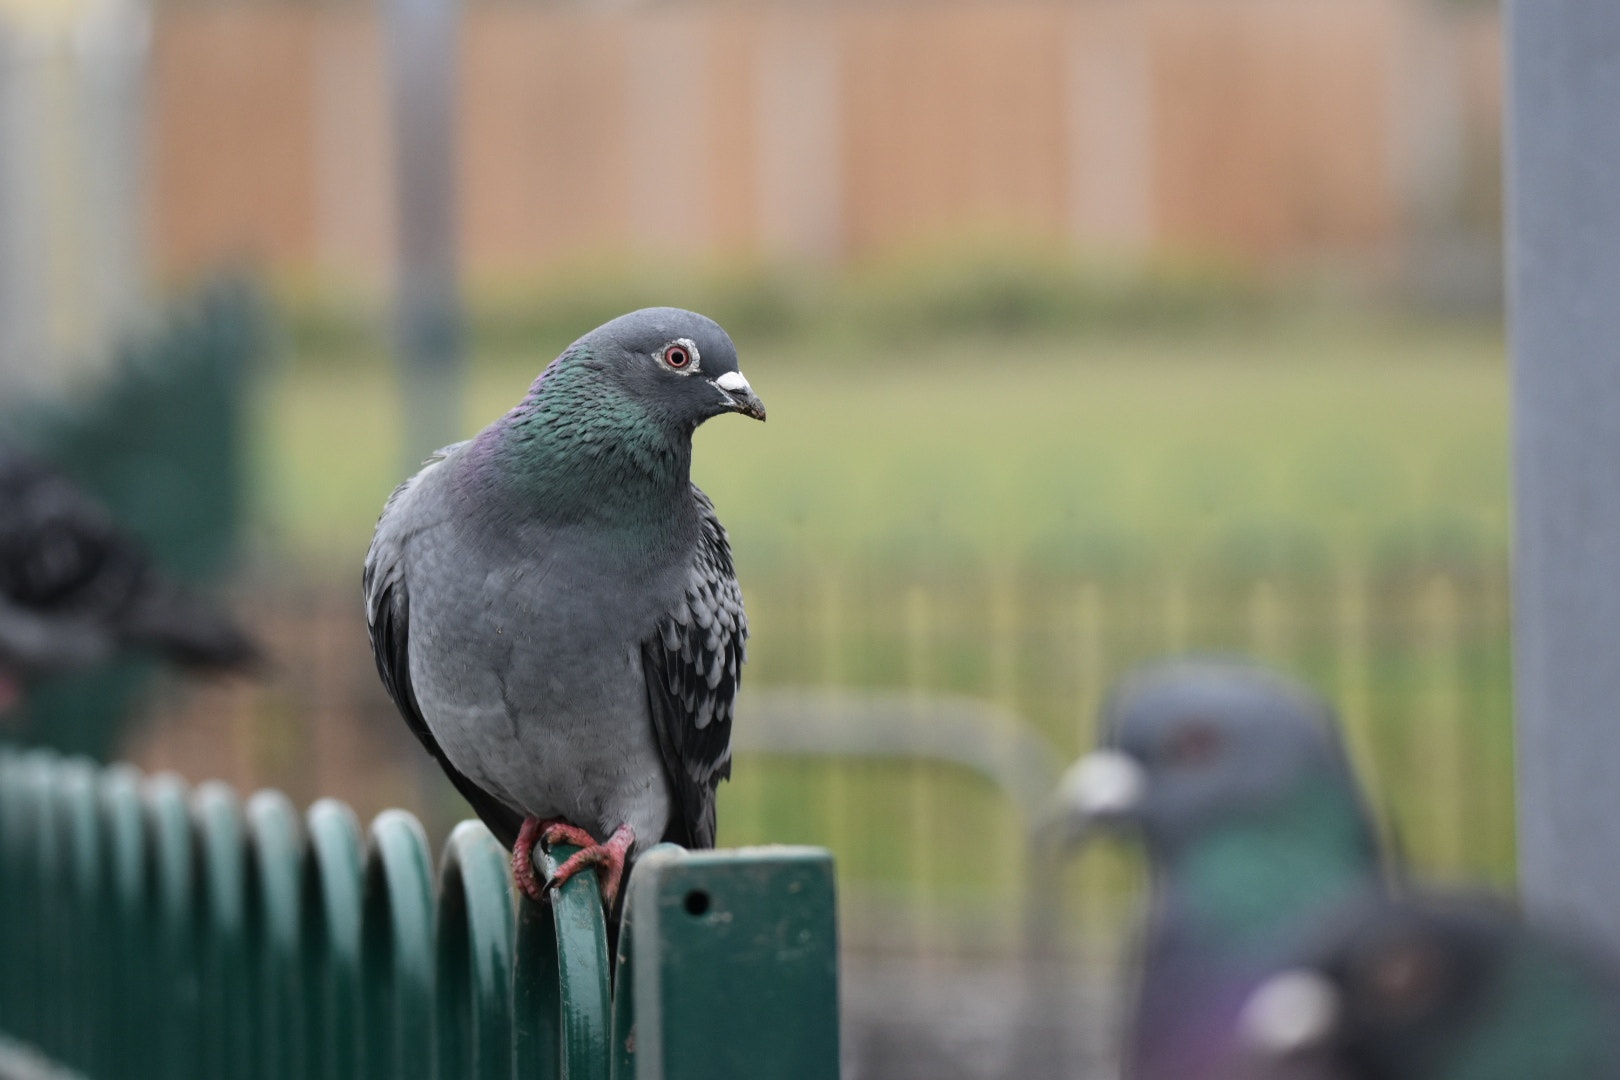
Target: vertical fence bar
(10, 914)
(622, 1063)
(177, 992)
(919, 672)
(51, 921)
(81, 937)
(397, 951)
(1353, 675)
(1440, 714)
(20, 804)
(127, 954)
(562, 986)
(225, 1042)
(473, 932)
(333, 868)
(274, 892)
(536, 1007)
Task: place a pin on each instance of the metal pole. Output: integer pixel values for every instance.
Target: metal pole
(422, 44)
(1564, 294)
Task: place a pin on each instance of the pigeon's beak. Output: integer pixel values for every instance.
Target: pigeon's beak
(1291, 1013)
(742, 396)
(1100, 788)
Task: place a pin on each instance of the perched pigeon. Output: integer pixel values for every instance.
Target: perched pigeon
(76, 590)
(553, 608)
(1237, 785)
(1438, 989)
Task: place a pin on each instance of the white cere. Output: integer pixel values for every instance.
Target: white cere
(1290, 1012)
(1103, 782)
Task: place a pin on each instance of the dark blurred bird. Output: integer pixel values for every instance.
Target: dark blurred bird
(76, 590)
(1438, 989)
(553, 607)
(1236, 783)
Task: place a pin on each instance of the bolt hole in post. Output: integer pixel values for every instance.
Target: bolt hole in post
(697, 903)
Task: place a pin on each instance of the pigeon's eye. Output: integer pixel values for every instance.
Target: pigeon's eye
(677, 356)
(1399, 980)
(1193, 744)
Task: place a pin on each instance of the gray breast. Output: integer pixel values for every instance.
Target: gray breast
(525, 655)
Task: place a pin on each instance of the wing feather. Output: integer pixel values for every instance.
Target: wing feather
(693, 662)
(388, 620)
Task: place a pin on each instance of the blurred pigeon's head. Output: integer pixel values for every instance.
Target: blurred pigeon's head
(678, 366)
(1191, 745)
(1453, 988)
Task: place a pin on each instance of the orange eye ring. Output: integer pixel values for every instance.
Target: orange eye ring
(677, 356)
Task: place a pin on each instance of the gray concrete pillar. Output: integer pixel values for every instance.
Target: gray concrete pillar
(1564, 310)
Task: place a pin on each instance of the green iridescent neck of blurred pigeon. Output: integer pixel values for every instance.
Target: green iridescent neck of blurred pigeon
(1244, 879)
(578, 449)
(1541, 1017)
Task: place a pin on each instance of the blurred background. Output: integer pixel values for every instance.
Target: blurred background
(1090, 330)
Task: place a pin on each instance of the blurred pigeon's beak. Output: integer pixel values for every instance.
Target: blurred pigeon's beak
(743, 398)
(1103, 786)
(1290, 1013)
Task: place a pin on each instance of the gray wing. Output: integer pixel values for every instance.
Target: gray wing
(692, 663)
(388, 619)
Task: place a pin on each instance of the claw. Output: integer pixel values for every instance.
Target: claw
(608, 857)
(556, 832)
(523, 859)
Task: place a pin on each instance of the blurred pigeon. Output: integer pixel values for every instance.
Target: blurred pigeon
(76, 590)
(1438, 989)
(1236, 783)
(553, 607)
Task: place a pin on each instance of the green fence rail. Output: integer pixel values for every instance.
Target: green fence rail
(148, 929)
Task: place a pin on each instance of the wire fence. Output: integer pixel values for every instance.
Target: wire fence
(1410, 642)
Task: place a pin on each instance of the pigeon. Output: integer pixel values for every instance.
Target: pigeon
(553, 608)
(76, 589)
(1235, 781)
(1438, 988)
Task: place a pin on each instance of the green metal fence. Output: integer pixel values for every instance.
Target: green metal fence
(151, 930)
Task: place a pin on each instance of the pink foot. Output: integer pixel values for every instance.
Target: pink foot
(609, 858)
(548, 831)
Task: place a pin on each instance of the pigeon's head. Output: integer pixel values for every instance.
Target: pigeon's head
(1436, 987)
(1193, 745)
(679, 366)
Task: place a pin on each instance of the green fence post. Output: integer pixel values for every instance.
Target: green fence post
(225, 1043)
(584, 980)
(474, 934)
(51, 923)
(397, 951)
(82, 940)
(22, 806)
(735, 966)
(176, 991)
(561, 988)
(128, 1019)
(11, 913)
(622, 1064)
(331, 942)
(536, 1006)
(16, 914)
(275, 890)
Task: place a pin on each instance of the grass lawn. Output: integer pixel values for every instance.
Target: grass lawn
(995, 443)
